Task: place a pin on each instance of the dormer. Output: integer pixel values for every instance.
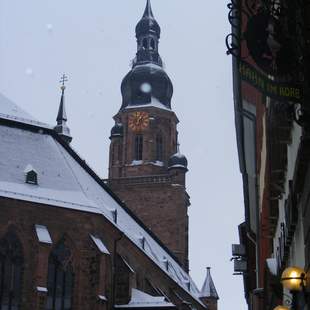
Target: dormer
(31, 176)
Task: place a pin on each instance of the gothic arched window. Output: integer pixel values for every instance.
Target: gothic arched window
(138, 147)
(11, 265)
(60, 279)
(159, 147)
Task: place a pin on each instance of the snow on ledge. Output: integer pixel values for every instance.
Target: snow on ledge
(43, 234)
(155, 103)
(100, 245)
(42, 289)
(140, 299)
(137, 163)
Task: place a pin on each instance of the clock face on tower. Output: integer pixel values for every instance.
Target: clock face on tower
(138, 121)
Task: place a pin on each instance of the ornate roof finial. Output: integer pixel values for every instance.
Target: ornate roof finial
(148, 34)
(63, 79)
(148, 10)
(62, 129)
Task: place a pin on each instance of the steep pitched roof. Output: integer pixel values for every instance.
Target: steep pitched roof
(9, 110)
(208, 288)
(66, 181)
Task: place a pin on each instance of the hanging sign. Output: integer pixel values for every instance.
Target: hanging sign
(270, 88)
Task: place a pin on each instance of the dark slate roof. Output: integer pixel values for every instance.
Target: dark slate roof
(148, 24)
(161, 88)
(177, 160)
(117, 130)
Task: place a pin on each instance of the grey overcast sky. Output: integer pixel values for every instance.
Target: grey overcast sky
(93, 43)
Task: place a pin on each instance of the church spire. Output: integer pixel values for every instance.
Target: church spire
(208, 290)
(61, 128)
(148, 35)
(148, 10)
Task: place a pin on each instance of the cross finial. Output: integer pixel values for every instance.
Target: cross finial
(63, 79)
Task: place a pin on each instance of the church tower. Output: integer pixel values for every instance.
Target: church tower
(146, 168)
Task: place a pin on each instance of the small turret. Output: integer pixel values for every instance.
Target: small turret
(117, 131)
(178, 161)
(208, 294)
(61, 128)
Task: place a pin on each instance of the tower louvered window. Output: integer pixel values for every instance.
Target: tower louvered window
(138, 147)
(144, 43)
(60, 279)
(159, 147)
(11, 265)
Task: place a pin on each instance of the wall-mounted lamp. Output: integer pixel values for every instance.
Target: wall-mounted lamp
(281, 308)
(294, 279)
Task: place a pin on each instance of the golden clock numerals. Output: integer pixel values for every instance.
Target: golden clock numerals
(138, 121)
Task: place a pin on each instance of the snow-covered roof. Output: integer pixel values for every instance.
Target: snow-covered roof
(208, 288)
(142, 300)
(67, 182)
(9, 110)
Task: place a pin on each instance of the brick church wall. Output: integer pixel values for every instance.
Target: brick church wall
(93, 271)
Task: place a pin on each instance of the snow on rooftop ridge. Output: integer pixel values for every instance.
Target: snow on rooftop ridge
(140, 299)
(10, 110)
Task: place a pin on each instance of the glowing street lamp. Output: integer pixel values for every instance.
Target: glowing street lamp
(281, 308)
(294, 279)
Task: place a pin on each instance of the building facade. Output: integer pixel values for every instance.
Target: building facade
(270, 48)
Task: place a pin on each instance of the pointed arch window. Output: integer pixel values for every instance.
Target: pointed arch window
(60, 279)
(11, 267)
(159, 147)
(138, 147)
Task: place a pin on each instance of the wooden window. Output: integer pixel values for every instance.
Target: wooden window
(138, 147)
(11, 265)
(159, 147)
(60, 279)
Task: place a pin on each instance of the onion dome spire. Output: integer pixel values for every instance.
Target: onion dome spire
(61, 128)
(147, 82)
(148, 34)
(208, 288)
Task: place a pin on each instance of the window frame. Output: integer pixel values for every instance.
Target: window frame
(138, 147)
